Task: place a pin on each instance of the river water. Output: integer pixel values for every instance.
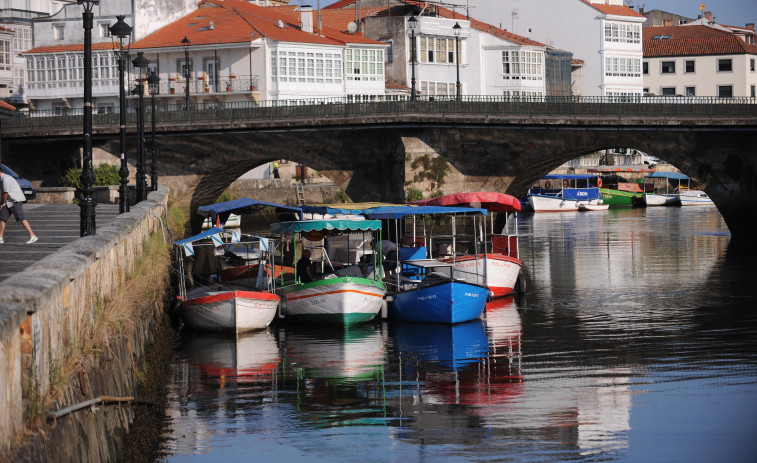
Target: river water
(636, 341)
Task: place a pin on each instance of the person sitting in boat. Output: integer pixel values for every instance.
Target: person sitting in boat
(304, 267)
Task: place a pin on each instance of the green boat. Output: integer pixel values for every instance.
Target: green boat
(617, 185)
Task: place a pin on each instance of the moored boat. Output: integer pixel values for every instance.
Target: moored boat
(497, 263)
(563, 192)
(694, 198)
(659, 191)
(620, 185)
(349, 293)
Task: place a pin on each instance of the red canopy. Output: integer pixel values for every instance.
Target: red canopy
(492, 202)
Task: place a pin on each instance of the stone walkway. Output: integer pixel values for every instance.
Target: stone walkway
(54, 224)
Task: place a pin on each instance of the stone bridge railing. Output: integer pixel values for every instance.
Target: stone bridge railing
(554, 110)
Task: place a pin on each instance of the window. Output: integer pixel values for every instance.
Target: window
(667, 91)
(364, 64)
(437, 50)
(668, 67)
(621, 32)
(751, 64)
(622, 66)
(646, 68)
(725, 65)
(690, 66)
(752, 90)
(58, 32)
(681, 22)
(390, 52)
(104, 29)
(725, 91)
(325, 67)
(523, 65)
(5, 55)
(690, 91)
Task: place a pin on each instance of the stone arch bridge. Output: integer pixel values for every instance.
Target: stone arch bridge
(364, 148)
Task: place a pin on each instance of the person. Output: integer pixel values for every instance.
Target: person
(276, 169)
(304, 269)
(11, 202)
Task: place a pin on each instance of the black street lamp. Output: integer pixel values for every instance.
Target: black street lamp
(412, 23)
(140, 63)
(153, 81)
(185, 44)
(87, 224)
(457, 29)
(122, 31)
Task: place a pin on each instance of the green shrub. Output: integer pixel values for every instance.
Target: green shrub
(413, 194)
(104, 175)
(225, 196)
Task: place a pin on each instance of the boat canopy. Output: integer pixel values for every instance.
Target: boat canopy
(568, 176)
(618, 169)
(397, 212)
(202, 236)
(325, 225)
(673, 175)
(344, 208)
(491, 201)
(240, 206)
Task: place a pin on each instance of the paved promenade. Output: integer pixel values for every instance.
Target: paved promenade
(55, 224)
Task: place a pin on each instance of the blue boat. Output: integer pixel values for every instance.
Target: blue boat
(564, 192)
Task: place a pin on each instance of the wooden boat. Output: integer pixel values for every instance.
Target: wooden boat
(232, 304)
(236, 306)
(563, 192)
(694, 198)
(343, 296)
(593, 207)
(617, 186)
(497, 265)
(666, 196)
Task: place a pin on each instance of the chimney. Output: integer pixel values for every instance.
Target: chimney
(306, 18)
(708, 15)
(641, 9)
(750, 26)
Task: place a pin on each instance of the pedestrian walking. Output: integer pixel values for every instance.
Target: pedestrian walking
(11, 202)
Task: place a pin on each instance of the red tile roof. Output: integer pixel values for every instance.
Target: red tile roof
(344, 5)
(237, 21)
(71, 48)
(691, 41)
(615, 10)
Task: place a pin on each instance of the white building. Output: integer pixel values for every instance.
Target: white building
(698, 60)
(491, 61)
(605, 34)
(237, 50)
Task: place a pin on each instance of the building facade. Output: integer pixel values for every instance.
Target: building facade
(604, 34)
(698, 61)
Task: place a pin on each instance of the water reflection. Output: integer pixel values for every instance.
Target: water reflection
(638, 326)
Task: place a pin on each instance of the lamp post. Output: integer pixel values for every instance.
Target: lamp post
(140, 63)
(457, 29)
(412, 23)
(122, 31)
(87, 224)
(185, 44)
(153, 81)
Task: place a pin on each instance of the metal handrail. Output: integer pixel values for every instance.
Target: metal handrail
(528, 107)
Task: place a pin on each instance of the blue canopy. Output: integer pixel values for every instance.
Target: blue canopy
(397, 212)
(325, 225)
(673, 175)
(568, 176)
(202, 236)
(241, 206)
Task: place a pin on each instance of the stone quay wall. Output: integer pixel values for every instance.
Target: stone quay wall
(43, 308)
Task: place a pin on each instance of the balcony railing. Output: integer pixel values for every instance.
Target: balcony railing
(614, 108)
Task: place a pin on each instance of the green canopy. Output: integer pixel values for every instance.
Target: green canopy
(325, 225)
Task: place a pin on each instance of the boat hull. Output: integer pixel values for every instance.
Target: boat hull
(618, 198)
(497, 272)
(444, 302)
(695, 198)
(229, 311)
(333, 301)
(593, 207)
(661, 200)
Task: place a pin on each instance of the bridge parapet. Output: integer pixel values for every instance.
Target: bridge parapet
(490, 110)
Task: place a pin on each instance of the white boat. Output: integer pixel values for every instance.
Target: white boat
(694, 198)
(563, 192)
(499, 266)
(236, 306)
(222, 308)
(671, 192)
(593, 207)
(349, 295)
